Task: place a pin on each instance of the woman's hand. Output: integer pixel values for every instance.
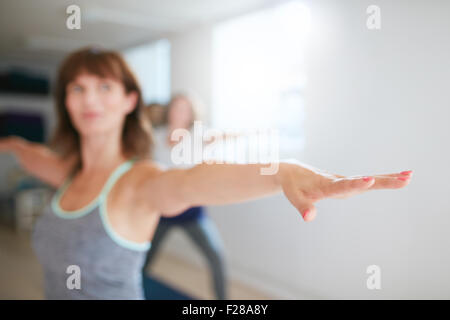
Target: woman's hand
(8, 144)
(38, 160)
(19, 147)
(304, 185)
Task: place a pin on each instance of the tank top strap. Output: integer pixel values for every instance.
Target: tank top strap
(120, 170)
(117, 173)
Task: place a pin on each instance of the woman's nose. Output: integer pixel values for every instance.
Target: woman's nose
(90, 98)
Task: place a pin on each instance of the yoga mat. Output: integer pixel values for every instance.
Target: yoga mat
(155, 289)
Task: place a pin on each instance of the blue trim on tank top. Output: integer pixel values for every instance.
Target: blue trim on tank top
(100, 201)
(118, 238)
(72, 214)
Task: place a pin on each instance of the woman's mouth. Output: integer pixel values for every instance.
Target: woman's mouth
(91, 115)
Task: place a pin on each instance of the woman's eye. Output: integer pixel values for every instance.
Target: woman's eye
(77, 89)
(105, 87)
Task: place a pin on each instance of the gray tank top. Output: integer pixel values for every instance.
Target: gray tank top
(110, 266)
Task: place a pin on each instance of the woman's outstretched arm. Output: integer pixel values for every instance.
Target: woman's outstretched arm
(38, 160)
(172, 191)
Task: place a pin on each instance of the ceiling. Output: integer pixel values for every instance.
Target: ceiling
(37, 29)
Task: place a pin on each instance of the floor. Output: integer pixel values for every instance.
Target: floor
(20, 273)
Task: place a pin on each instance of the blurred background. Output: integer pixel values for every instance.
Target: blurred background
(345, 98)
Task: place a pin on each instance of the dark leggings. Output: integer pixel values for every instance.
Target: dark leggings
(206, 237)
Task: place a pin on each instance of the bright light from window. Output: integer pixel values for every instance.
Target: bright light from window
(259, 72)
(151, 64)
(295, 20)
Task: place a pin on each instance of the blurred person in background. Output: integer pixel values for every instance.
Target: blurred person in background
(181, 113)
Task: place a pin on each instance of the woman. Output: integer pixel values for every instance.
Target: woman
(110, 197)
(197, 225)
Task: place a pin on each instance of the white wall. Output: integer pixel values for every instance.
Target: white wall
(191, 64)
(377, 102)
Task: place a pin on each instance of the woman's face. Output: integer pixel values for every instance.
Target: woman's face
(97, 105)
(180, 113)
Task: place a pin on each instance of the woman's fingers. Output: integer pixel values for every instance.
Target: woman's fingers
(391, 181)
(300, 202)
(309, 214)
(344, 187)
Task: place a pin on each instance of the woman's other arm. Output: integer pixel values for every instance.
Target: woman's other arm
(38, 160)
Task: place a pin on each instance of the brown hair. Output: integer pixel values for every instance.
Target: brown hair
(137, 138)
(156, 112)
(193, 101)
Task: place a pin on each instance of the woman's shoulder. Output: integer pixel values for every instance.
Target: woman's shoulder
(146, 167)
(141, 170)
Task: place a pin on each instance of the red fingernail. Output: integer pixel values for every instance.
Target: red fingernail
(305, 213)
(367, 179)
(403, 178)
(406, 172)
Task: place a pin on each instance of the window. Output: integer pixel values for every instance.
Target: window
(259, 73)
(151, 64)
